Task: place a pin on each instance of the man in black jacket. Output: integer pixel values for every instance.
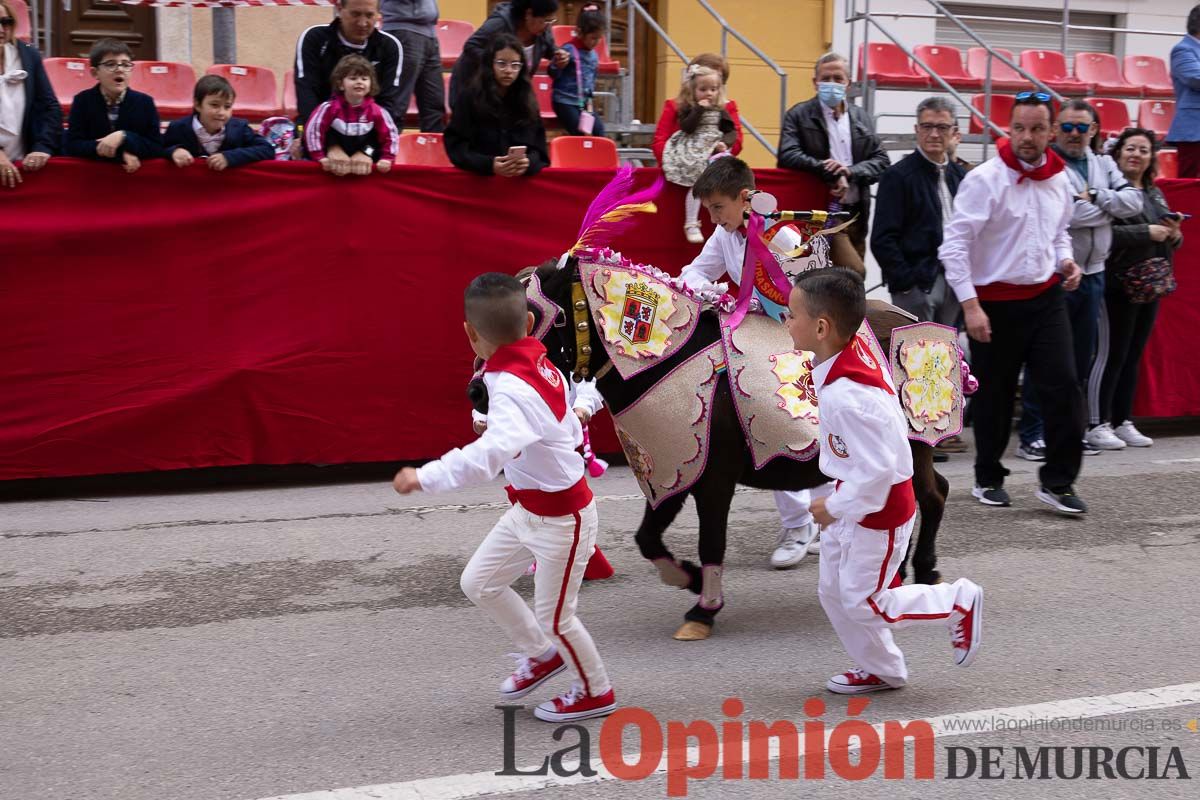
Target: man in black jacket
(352, 32)
(914, 200)
(836, 141)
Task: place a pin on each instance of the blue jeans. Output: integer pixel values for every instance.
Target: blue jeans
(568, 115)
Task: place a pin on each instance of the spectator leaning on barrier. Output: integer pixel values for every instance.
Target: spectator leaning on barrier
(30, 117)
(352, 32)
(528, 20)
(414, 24)
(1185, 75)
(110, 120)
(213, 133)
(836, 141)
(1008, 257)
(496, 112)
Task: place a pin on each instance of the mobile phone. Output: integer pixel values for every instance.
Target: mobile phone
(1177, 215)
(516, 151)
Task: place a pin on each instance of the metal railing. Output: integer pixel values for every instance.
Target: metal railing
(637, 11)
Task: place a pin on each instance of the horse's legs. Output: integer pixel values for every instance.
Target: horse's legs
(649, 538)
(713, 499)
(931, 490)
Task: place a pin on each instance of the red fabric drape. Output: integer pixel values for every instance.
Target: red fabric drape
(269, 314)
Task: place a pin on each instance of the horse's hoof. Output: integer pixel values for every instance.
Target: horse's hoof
(692, 631)
(671, 573)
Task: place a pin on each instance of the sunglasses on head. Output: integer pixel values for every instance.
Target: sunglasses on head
(1024, 97)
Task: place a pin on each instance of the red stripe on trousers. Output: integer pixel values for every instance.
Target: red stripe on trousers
(879, 587)
(562, 596)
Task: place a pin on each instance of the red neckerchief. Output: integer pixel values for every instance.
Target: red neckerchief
(527, 360)
(856, 363)
(1051, 167)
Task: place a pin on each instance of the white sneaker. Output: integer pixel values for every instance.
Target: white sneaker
(1102, 437)
(792, 546)
(814, 546)
(692, 231)
(1132, 436)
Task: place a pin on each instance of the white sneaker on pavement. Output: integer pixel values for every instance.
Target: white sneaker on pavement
(792, 546)
(814, 546)
(1131, 435)
(1102, 437)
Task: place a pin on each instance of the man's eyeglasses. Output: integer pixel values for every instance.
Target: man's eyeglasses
(549, 20)
(7, 22)
(1074, 127)
(117, 66)
(931, 127)
(1025, 97)
(508, 66)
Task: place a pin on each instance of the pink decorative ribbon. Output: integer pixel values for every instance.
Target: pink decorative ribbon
(765, 271)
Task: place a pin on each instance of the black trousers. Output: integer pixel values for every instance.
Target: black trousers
(1037, 334)
(421, 72)
(1125, 328)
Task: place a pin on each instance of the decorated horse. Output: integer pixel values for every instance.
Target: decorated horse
(707, 391)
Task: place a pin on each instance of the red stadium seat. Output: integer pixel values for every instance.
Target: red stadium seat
(69, 77)
(1004, 77)
(1151, 74)
(1168, 163)
(948, 64)
(1050, 68)
(257, 91)
(607, 66)
(452, 34)
(1103, 70)
(423, 149)
(24, 28)
(543, 87)
(1113, 114)
(288, 100)
(1156, 115)
(887, 65)
(594, 152)
(169, 83)
(1002, 106)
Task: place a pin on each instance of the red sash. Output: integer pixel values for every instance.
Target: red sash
(856, 363)
(900, 506)
(552, 504)
(527, 360)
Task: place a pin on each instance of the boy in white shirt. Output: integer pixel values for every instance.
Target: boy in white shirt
(532, 434)
(724, 189)
(869, 518)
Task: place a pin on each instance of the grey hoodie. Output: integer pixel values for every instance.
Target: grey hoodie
(418, 16)
(1091, 223)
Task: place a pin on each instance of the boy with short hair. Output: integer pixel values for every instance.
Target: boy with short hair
(111, 121)
(532, 434)
(869, 518)
(213, 133)
(724, 189)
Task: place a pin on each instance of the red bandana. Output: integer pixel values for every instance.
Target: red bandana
(1052, 166)
(856, 363)
(527, 360)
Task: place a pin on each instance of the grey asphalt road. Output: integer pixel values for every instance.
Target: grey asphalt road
(249, 643)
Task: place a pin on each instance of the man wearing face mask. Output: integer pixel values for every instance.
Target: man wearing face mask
(836, 141)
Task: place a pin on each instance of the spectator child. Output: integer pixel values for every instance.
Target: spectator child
(575, 81)
(212, 132)
(705, 128)
(350, 131)
(112, 121)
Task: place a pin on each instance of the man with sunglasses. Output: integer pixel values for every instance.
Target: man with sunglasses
(1100, 193)
(1008, 256)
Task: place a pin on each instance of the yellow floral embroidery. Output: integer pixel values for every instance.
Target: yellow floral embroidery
(928, 393)
(794, 371)
(634, 316)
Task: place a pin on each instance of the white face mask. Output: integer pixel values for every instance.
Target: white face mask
(831, 94)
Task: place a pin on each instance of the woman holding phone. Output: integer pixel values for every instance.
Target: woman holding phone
(1138, 272)
(495, 127)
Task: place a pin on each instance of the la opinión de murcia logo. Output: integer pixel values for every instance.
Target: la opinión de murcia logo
(853, 750)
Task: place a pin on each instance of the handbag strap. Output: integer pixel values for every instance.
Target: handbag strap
(578, 75)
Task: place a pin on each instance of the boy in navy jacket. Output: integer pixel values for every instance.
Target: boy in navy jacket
(110, 120)
(213, 133)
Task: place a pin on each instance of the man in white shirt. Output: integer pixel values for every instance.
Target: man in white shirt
(1008, 257)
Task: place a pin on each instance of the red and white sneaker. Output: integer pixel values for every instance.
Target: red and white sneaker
(530, 674)
(966, 629)
(857, 682)
(576, 705)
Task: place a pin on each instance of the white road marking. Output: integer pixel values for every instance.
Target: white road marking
(1177, 461)
(480, 784)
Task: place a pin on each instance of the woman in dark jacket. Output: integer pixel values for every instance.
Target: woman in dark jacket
(528, 20)
(30, 117)
(1125, 326)
(497, 111)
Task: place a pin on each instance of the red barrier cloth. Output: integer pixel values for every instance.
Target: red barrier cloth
(269, 314)
(1169, 382)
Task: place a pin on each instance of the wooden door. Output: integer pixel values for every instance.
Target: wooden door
(83, 22)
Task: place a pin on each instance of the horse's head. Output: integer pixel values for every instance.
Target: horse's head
(572, 342)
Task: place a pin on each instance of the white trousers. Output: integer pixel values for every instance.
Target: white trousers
(793, 506)
(857, 565)
(562, 546)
